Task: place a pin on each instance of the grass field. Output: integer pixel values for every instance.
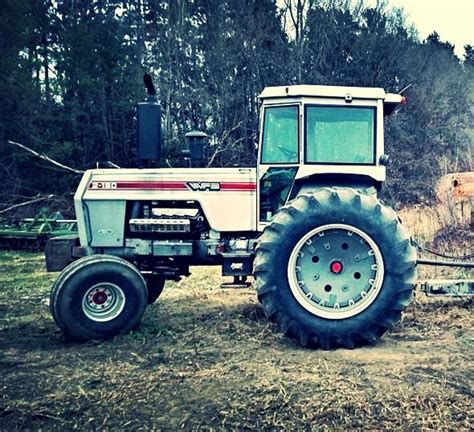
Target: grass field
(204, 358)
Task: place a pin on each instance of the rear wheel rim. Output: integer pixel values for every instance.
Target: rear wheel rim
(103, 302)
(335, 271)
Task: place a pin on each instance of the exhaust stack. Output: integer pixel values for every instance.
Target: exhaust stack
(149, 126)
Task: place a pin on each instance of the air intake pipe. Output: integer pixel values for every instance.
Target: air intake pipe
(196, 148)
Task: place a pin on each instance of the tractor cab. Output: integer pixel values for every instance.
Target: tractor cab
(314, 135)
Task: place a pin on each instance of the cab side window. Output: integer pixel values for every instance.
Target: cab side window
(341, 135)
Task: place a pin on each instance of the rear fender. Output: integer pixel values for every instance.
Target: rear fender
(308, 184)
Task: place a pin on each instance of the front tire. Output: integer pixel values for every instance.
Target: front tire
(335, 268)
(98, 297)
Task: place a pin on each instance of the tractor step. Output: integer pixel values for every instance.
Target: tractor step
(446, 287)
(237, 264)
(239, 282)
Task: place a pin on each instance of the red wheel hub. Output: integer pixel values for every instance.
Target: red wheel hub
(99, 297)
(336, 267)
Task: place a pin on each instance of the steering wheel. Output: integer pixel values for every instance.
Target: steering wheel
(290, 154)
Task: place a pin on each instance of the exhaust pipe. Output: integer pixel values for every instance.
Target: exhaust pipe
(149, 126)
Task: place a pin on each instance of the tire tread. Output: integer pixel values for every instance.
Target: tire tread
(331, 199)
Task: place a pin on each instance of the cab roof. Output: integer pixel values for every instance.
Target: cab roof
(330, 92)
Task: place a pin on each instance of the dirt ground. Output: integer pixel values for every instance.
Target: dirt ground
(206, 358)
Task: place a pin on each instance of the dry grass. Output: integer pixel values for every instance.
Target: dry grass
(208, 359)
(426, 222)
(437, 228)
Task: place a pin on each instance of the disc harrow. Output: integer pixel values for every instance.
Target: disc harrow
(31, 234)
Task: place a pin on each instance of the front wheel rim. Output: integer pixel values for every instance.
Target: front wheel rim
(335, 271)
(103, 302)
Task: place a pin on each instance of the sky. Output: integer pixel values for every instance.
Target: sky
(452, 19)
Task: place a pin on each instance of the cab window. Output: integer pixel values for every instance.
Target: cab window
(341, 135)
(280, 135)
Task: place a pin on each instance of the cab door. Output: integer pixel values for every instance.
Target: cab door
(279, 157)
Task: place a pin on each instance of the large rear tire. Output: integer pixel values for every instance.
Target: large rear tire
(98, 297)
(335, 268)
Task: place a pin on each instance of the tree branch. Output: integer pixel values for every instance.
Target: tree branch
(37, 199)
(220, 148)
(46, 158)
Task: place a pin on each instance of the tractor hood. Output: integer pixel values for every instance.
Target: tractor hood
(227, 196)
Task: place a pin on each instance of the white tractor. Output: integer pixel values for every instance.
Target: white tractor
(332, 265)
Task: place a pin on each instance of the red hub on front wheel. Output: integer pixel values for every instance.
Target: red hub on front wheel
(99, 297)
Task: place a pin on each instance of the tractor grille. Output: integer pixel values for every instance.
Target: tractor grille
(160, 225)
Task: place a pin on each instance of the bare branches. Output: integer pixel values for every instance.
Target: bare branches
(46, 158)
(112, 164)
(34, 200)
(224, 137)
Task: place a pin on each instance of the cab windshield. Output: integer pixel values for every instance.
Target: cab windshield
(280, 135)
